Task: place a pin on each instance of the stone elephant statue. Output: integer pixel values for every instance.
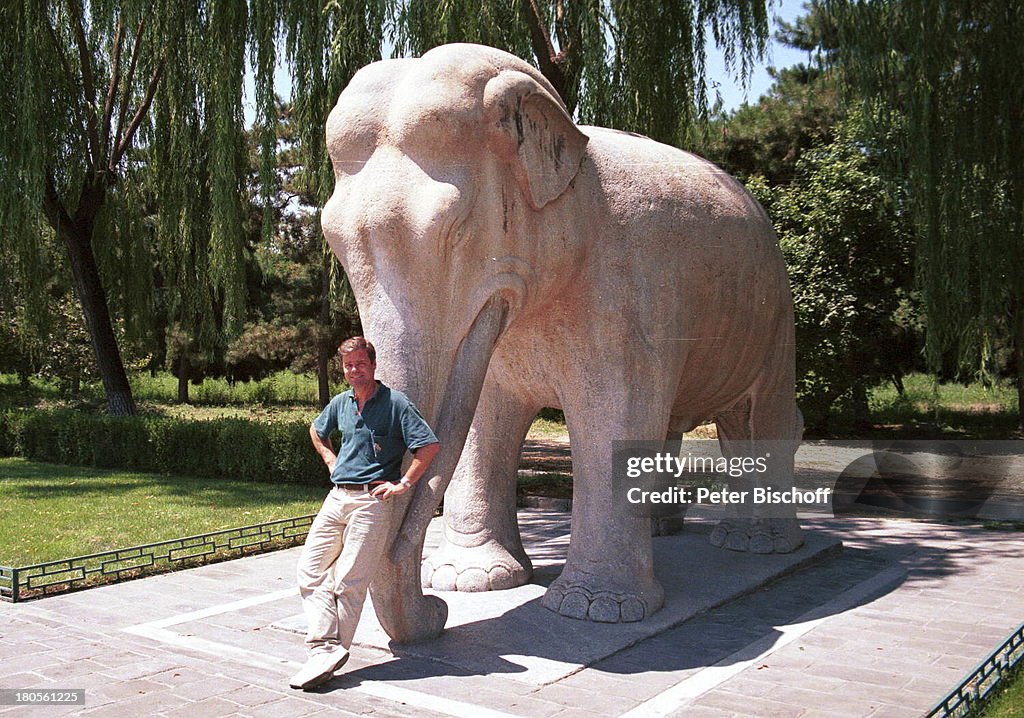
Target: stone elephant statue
(504, 260)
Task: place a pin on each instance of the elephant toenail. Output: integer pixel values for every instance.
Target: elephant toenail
(500, 578)
(632, 610)
(444, 578)
(604, 610)
(472, 579)
(574, 605)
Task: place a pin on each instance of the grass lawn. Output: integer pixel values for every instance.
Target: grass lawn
(548, 429)
(49, 512)
(944, 411)
(1008, 701)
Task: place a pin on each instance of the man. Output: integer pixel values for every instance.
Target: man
(348, 538)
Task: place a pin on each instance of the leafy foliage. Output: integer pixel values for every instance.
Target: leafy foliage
(62, 352)
(849, 254)
(943, 78)
(121, 127)
(798, 112)
(108, 105)
(51, 343)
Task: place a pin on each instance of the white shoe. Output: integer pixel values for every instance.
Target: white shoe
(319, 669)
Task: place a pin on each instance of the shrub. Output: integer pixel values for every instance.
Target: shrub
(302, 465)
(284, 387)
(849, 254)
(222, 448)
(212, 392)
(262, 392)
(8, 427)
(245, 451)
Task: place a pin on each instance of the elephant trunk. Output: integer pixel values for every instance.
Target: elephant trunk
(405, 613)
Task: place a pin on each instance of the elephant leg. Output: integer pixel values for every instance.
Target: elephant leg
(668, 518)
(609, 572)
(765, 424)
(482, 549)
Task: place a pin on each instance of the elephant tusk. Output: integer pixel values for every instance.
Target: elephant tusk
(461, 395)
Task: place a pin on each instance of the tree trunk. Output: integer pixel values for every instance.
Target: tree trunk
(323, 359)
(184, 374)
(562, 67)
(1020, 393)
(93, 299)
(1017, 340)
(324, 350)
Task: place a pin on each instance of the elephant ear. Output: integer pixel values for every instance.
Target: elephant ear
(534, 135)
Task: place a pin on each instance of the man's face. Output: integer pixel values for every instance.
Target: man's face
(358, 369)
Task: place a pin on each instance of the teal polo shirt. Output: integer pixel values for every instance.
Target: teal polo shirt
(373, 442)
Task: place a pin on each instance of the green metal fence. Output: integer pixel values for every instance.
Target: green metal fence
(53, 577)
(984, 679)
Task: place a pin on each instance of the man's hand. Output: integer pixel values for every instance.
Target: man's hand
(421, 459)
(386, 491)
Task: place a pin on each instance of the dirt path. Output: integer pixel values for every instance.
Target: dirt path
(546, 455)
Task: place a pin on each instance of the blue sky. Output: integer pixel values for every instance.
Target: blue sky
(733, 94)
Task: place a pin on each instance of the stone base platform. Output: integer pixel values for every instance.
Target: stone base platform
(509, 633)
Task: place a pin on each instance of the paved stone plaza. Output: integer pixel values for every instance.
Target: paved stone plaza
(883, 626)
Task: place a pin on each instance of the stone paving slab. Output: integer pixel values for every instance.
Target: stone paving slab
(884, 628)
(509, 632)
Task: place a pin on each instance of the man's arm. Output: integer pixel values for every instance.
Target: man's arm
(323, 447)
(421, 459)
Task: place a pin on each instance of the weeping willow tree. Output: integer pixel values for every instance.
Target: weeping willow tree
(122, 127)
(637, 66)
(944, 83)
(106, 106)
(122, 136)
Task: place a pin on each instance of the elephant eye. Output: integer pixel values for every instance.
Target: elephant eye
(449, 171)
(347, 166)
(350, 142)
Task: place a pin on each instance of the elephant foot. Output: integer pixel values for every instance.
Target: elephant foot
(487, 567)
(433, 614)
(758, 535)
(410, 618)
(593, 601)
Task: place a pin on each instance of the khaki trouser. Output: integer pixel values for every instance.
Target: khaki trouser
(344, 547)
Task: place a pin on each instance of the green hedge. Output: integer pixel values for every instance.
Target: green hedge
(221, 448)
